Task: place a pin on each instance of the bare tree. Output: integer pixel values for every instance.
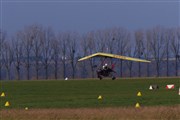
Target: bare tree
(122, 38)
(175, 47)
(91, 44)
(18, 49)
(37, 37)
(27, 37)
(2, 39)
(55, 55)
(99, 37)
(84, 52)
(110, 42)
(8, 55)
(104, 42)
(131, 53)
(48, 36)
(157, 47)
(63, 39)
(147, 52)
(169, 36)
(73, 51)
(139, 48)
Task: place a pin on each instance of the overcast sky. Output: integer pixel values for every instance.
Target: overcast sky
(86, 15)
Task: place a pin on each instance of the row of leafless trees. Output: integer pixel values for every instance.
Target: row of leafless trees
(37, 52)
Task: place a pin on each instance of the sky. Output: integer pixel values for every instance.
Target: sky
(87, 15)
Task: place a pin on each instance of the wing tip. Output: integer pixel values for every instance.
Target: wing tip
(80, 60)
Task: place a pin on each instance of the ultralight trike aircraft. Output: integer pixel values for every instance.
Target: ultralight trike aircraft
(105, 70)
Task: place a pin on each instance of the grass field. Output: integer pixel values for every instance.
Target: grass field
(57, 95)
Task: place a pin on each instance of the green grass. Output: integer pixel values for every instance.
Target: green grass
(84, 93)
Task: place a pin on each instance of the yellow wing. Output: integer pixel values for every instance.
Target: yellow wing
(113, 56)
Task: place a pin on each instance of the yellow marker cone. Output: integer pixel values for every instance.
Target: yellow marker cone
(26, 108)
(99, 97)
(139, 94)
(3, 94)
(137, 105)
(7, 104)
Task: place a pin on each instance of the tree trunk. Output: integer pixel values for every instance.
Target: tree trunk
(64, 69)
(73, 72)
(18, 72)
(176, 67)
(0, 71)
(157, 69)
(56, 69)
(37, 70)
(167, 60)
(8, 70)
(27, 69)
(131, 71)
(148, 70)
(46, 71)
(121, 68)
(167, 70)
(92, 72)
(139, 70)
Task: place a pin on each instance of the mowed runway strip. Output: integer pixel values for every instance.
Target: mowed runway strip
(76, 98)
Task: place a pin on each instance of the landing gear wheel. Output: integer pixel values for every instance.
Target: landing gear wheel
(100, 77)
(113, 78)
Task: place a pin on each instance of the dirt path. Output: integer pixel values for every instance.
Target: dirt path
(143, 113)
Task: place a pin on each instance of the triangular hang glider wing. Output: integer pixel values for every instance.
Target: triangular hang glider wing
(113, 56)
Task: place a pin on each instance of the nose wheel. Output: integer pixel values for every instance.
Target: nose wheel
(100, 77)
(113, 78)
